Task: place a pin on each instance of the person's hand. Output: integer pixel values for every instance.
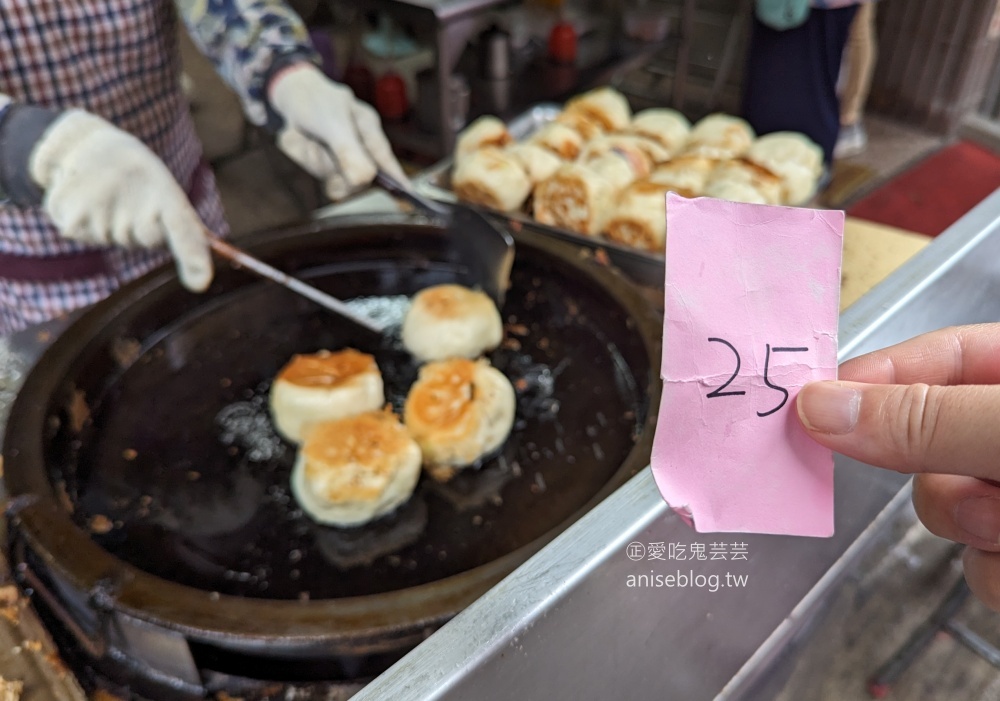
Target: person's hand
(929, 406)
(329, 132)
(103, 186)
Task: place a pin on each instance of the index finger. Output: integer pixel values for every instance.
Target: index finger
(958, 355)
(341, 137)
(374, 139)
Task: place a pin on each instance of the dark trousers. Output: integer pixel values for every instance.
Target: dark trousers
(790, 83)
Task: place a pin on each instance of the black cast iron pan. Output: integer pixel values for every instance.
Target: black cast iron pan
(142, 464)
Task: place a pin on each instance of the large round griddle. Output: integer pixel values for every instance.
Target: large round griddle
(147, 477)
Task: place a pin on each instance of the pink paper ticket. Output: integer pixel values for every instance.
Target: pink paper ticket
(752, 305)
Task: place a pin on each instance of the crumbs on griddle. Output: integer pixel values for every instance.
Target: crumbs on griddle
(79, 412)
(100, 524)
(10, 604)
(125, 351)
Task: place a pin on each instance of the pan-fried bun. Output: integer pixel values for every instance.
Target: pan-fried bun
(538, 162)
(639, 218)
(559, 139)
(322, 387)
(605, 105)
(451, 321)
(639, 154)
(720, 136)
(576, 197)
(667, 127)
(491, 177)
(734, 191)
(458, 411)
(778, 148)
(686, 175)
(745, 173)
(354, 470)
(795, 159)
(583, 125)
(486, 131)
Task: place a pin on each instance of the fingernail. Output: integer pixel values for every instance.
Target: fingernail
(980, 516)
(829, 407)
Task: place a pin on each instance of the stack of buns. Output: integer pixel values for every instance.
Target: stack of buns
(600, 171)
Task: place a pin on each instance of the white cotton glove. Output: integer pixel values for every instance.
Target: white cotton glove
(103, 186)
(329, 132)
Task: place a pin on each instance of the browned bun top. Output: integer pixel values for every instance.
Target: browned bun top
(375, 440)
(326, 369)
(449, 301)
(581, 123)
(442, 397)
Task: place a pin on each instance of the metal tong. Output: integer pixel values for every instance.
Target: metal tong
(259, 267)
(485, 250)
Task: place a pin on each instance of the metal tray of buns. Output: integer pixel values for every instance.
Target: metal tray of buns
(644, 265)
(435, 182)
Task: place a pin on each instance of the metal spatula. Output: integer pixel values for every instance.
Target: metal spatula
(486, 250)
(255, 265)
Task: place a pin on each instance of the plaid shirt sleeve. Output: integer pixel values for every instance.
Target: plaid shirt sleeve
(248, 41)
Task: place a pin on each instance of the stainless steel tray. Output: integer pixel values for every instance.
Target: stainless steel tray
(435, 182)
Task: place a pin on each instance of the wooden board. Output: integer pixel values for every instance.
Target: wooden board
(871, 252)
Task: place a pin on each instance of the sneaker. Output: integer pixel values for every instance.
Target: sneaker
(851, 141)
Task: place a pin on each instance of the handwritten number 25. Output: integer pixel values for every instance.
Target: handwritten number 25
(718, 392)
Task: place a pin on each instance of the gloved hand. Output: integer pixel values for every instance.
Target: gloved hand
(104, 186)
(329, 132)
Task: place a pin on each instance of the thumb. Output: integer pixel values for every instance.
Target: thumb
(909, 428)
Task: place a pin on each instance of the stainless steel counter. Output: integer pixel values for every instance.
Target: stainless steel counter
(566, 625)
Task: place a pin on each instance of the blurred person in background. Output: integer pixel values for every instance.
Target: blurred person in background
(101, 173)
(859, 65)
(793, 66)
